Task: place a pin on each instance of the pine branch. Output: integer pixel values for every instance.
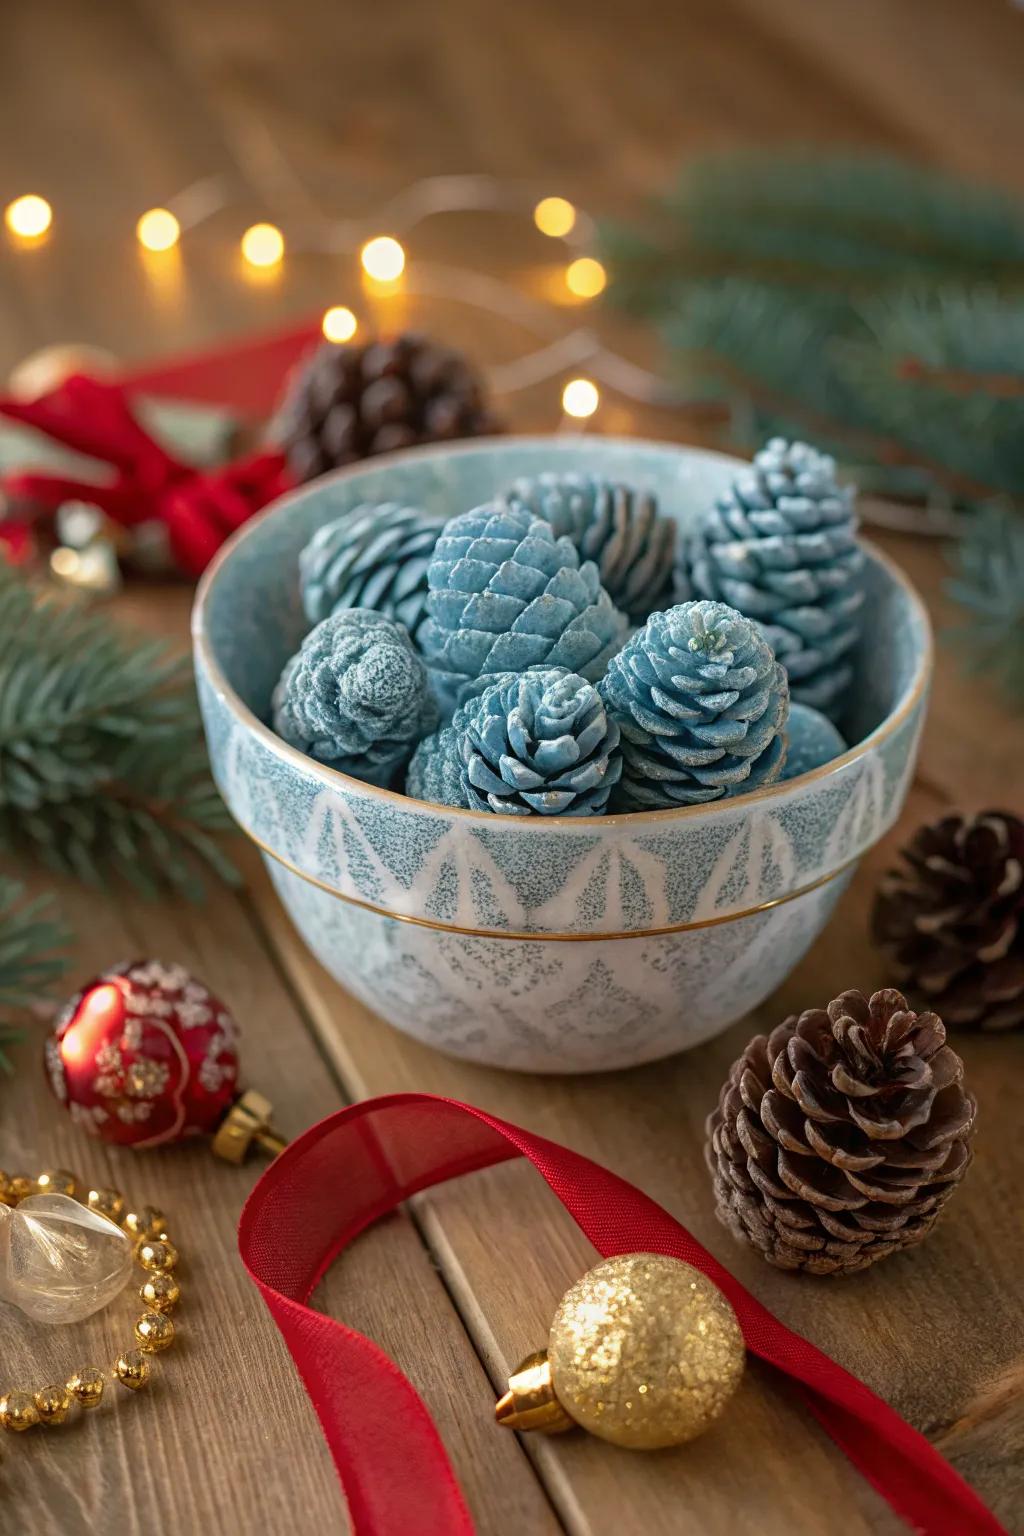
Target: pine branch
(102, 767)
(824, 220)
(872, 305)
(989, 582)
(31, 938)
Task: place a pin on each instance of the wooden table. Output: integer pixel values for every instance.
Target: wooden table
(111, 110)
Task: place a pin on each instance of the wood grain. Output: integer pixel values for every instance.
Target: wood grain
(332, 108)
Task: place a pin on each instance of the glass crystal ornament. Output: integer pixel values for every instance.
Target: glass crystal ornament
(60, 1261)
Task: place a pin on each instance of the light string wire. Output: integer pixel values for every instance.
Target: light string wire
(312, 232)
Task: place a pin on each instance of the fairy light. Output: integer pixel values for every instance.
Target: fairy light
(554, 216)
(158, 230)
(580, 398)
(339, 323)
(383, 259)
(263, 245)
(29, 216)
(585, 277)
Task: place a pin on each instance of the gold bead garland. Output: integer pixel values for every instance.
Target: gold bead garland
(156, 1256)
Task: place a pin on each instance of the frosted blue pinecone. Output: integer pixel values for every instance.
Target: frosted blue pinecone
(701, 703)
(375, 556)
(537, 743)
(355, 695)
(506, 595)
(781, 547)
(619, 528)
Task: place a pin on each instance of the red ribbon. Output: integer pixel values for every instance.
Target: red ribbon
(359, 1164)
(199, 508)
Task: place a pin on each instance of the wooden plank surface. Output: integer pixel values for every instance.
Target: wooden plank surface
(336, 109)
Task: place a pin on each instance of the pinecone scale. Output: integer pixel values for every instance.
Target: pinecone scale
(839, 1137)
(953, 919)
(350, 402)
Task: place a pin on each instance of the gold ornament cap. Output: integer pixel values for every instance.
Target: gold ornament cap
(247, 1123)
(530, 1402)
(644, 1352)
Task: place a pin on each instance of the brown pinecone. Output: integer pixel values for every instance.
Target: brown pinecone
(953, 919)
(839, 1137)
(348, 402)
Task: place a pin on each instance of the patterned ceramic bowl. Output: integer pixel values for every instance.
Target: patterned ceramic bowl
(546, 945)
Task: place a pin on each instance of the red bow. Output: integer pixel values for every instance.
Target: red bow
(199, 508)
(360, 1163)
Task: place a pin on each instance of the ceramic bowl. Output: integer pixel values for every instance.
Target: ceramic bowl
(561, 945)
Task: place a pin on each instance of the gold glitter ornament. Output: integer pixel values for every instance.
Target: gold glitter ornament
(644, 1352)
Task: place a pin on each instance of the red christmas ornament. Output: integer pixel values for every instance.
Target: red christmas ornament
(145, 1056)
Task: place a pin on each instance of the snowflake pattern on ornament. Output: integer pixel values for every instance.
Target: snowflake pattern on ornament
(88, 1117)
(55, 1071)
(192, 1015)
(171, 978)
(131, 1035)
(132, 1114)
(214, 1073)
(151, 1004)
(146, 1078)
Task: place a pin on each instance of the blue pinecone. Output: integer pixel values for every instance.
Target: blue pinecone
(619, 528)
(811, 741)
(701, 703)
(355, 695)
(506, 595)
(540, 742)
(376, 556)
(781, 547)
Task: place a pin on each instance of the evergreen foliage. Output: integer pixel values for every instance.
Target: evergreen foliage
(103, 770)
(869, 305)
(31, 938)
(989, 582)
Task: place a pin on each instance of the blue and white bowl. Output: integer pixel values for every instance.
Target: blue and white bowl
(569, 945)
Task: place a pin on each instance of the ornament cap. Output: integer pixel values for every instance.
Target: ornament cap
(530, 1402)
(247, 1122)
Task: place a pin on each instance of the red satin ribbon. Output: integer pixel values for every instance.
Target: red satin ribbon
(359, 1164)
(199, 508)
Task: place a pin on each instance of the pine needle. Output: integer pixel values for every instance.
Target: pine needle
(103, 773)
(871, 306)
(31, 938)
(989, 582)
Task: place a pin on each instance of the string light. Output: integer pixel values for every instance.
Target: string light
(580, 398)
(383, 259)
(29, 216)
(158, 230)
(585, 277)
(263, 245)
(339, 323)
(554, 216)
